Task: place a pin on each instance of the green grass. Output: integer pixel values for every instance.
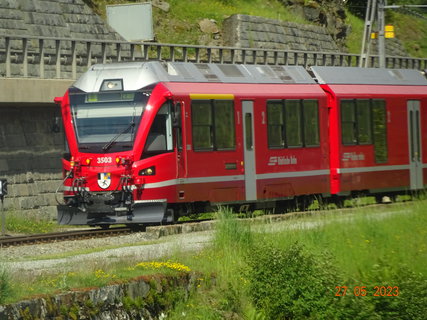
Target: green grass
(365, 237)
(354, 39)
(27, 223)
(363, 246)
(180, 24)
(92, 274)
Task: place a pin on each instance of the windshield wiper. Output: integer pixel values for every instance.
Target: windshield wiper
(108, 145)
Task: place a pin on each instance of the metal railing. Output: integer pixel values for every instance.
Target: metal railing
(63, 58)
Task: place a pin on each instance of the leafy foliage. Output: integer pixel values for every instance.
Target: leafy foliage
(292, 283)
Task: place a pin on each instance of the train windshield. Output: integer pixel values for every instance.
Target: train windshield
(107, 121)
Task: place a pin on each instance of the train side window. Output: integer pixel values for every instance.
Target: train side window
(293, 123)
(348, 122)
(202, 125)
(364, 124)
(275, 124)
(311, 122)
(213, 125)
(379, 121)
(224, 125)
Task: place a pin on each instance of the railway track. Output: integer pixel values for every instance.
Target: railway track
(63, 236)
(117, 231)
(10, 241)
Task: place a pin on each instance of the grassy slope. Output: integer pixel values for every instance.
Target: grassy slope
(180, 24)
(363, 243)
(368, 247)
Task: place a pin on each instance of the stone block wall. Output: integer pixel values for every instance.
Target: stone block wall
(30, 157)
(257, 32)
(144, 298)
(65, 19)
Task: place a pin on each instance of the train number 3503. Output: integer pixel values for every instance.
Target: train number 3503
(104, 160)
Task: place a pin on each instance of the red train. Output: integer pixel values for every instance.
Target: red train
(149, 141)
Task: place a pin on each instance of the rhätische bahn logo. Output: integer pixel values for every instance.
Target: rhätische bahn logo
(104, 180)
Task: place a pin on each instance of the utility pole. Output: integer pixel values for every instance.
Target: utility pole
(366, 42)
(381, 25)
(375, 12)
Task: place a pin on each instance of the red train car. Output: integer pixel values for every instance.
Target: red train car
(377, 136)
(151, 141)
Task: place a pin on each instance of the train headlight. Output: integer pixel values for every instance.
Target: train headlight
(122, 161)
(112, 85)
(148, 171)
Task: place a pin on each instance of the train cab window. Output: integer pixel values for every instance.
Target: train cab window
(159, 138)
(213, 125)
(379, 120)
(292, 123)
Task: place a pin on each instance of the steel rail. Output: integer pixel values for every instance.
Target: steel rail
(63, 236)
(65, 58)
(78, 234)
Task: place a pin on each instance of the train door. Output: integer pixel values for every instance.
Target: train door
(414, 134)
(249, 150)
(178, 125)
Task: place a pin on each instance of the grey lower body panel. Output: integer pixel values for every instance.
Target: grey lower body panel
(142, 212)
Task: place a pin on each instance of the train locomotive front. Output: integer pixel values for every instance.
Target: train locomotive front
(118, 125)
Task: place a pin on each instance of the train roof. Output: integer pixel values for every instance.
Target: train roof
(368, 76)
(137, 75)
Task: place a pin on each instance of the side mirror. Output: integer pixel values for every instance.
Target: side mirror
(58, 100)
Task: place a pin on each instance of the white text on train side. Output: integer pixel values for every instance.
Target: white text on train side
(282, 160)
(353, 156)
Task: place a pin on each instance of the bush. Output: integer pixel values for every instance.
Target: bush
(292, 283)
(411, 301)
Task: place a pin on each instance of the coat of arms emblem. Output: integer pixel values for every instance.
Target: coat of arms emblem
(104, 180)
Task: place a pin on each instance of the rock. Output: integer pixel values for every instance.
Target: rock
(162, 5)
(208, 26)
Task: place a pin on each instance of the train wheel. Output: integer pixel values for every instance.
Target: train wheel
(105, 226)
(303, 203)
(339, 202)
